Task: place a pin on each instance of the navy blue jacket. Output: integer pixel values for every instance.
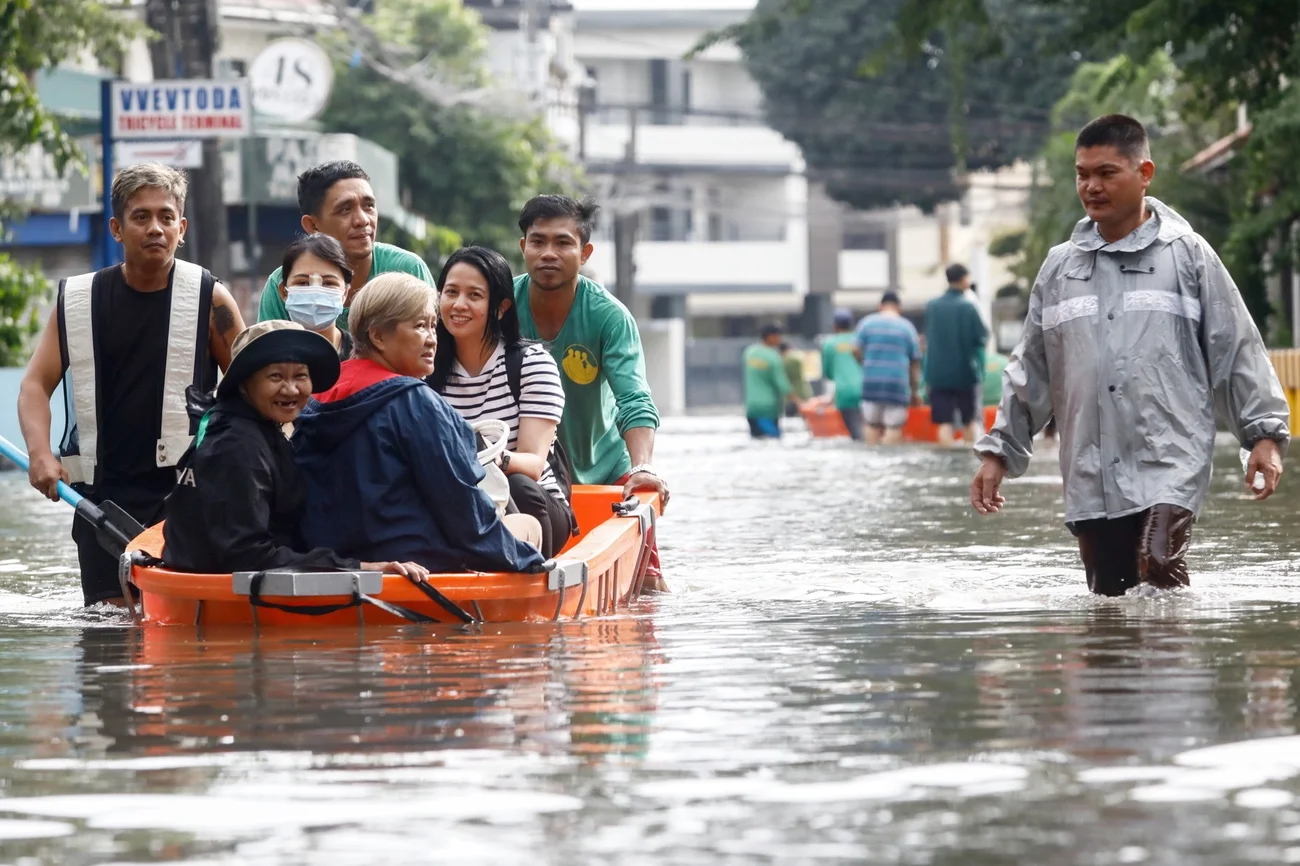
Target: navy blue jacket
(392, 474)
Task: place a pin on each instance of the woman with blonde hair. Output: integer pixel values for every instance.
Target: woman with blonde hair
(389, 465)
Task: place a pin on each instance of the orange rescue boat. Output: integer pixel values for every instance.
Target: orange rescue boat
(824, 422)
(598, 573)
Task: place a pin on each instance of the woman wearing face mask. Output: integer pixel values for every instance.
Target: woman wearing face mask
(239, 497)
(315, 276)
(485, 369)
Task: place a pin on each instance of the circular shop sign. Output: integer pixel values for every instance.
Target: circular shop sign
(291, 80)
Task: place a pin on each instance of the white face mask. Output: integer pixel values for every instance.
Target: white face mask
(313, 306)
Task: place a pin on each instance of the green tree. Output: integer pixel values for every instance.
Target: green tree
(34, 36)
(1229, 51)
(420, 88)
(883, 118)
(1154, 93)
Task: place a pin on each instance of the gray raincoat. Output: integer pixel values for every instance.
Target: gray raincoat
(1133, 345)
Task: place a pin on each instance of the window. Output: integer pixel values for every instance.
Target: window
(865, 239)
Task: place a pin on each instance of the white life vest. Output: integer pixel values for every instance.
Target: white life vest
(79, 378)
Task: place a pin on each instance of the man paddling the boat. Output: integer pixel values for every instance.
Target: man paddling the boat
(336, 199)
(609, 424)
(128, 342)
(1136, 334)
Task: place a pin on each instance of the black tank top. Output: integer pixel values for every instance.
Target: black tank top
(131, 333)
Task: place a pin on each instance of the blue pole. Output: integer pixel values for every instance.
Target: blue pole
(16, 454)
(108, 247)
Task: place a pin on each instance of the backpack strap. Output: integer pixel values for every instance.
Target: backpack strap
(515, 371)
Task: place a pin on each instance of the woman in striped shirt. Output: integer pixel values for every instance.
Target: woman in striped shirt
(478, 344)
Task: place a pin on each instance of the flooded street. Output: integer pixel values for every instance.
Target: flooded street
(853, 667)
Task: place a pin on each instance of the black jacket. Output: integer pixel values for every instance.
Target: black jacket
(238, 500)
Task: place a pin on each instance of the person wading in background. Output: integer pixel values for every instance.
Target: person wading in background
(1136, 334)
(955, 337)
(767, 385)
(841, 368)
(890, 351)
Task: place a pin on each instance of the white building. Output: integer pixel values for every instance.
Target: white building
(722, 197)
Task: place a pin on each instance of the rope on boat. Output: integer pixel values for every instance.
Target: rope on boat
(358, 599)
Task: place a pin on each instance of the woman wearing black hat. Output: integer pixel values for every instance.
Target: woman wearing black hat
(239, 497)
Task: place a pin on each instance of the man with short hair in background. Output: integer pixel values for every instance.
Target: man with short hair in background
(335, 198)
(841, 368)
(767, 384)
(890, 352)
(955, 339)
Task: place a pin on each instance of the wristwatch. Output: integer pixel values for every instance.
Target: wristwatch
(642, 467)
(505, 461)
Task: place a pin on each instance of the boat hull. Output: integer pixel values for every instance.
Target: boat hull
(824, 422)
(611, 547)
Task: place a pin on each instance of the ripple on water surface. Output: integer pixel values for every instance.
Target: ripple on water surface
(853, 668)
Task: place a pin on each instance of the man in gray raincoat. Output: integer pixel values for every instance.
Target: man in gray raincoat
(1136, 334)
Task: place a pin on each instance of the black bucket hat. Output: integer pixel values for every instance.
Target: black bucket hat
(277, 341)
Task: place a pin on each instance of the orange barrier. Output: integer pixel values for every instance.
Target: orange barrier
(612, 548)
(825, 422)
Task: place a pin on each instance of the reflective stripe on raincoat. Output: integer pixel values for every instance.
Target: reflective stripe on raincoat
(1134, 346)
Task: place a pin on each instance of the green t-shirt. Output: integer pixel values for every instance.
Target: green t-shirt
(840, 367)
(997, 362)
(602, 370)
(766, 383)
(800, 389)
(385, 259)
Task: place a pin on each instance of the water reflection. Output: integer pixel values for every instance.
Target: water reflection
(853, 668)
(588, 688)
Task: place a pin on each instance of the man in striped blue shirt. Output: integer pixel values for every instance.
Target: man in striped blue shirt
(890, 351)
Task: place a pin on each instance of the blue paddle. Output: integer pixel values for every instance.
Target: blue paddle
(114, 528)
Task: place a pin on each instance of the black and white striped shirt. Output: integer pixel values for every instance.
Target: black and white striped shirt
(487, 395)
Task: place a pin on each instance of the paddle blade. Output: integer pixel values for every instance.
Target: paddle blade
(114, 528)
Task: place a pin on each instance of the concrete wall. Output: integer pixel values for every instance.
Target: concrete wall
(664, 344)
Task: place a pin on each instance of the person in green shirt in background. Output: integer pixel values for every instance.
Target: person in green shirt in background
(610, 419)
(800, 390)
(336, 199)
(993, 367)
(841, 368)
(767, 385)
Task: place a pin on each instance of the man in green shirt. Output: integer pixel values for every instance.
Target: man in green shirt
(609, 423)
(840, 367)
(800, 390)
(336, 199)
(955, 338)
(767, 386)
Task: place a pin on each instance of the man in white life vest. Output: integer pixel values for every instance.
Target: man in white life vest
(127, 342)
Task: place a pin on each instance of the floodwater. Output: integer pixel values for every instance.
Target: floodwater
(853, 667)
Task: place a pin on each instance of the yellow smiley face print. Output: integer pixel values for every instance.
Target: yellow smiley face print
(579, 364)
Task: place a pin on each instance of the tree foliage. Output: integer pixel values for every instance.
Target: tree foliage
(464, 164)
(39, 34)
(36, 35)
(1228, 51)
(883, 118)
(1154, 93)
